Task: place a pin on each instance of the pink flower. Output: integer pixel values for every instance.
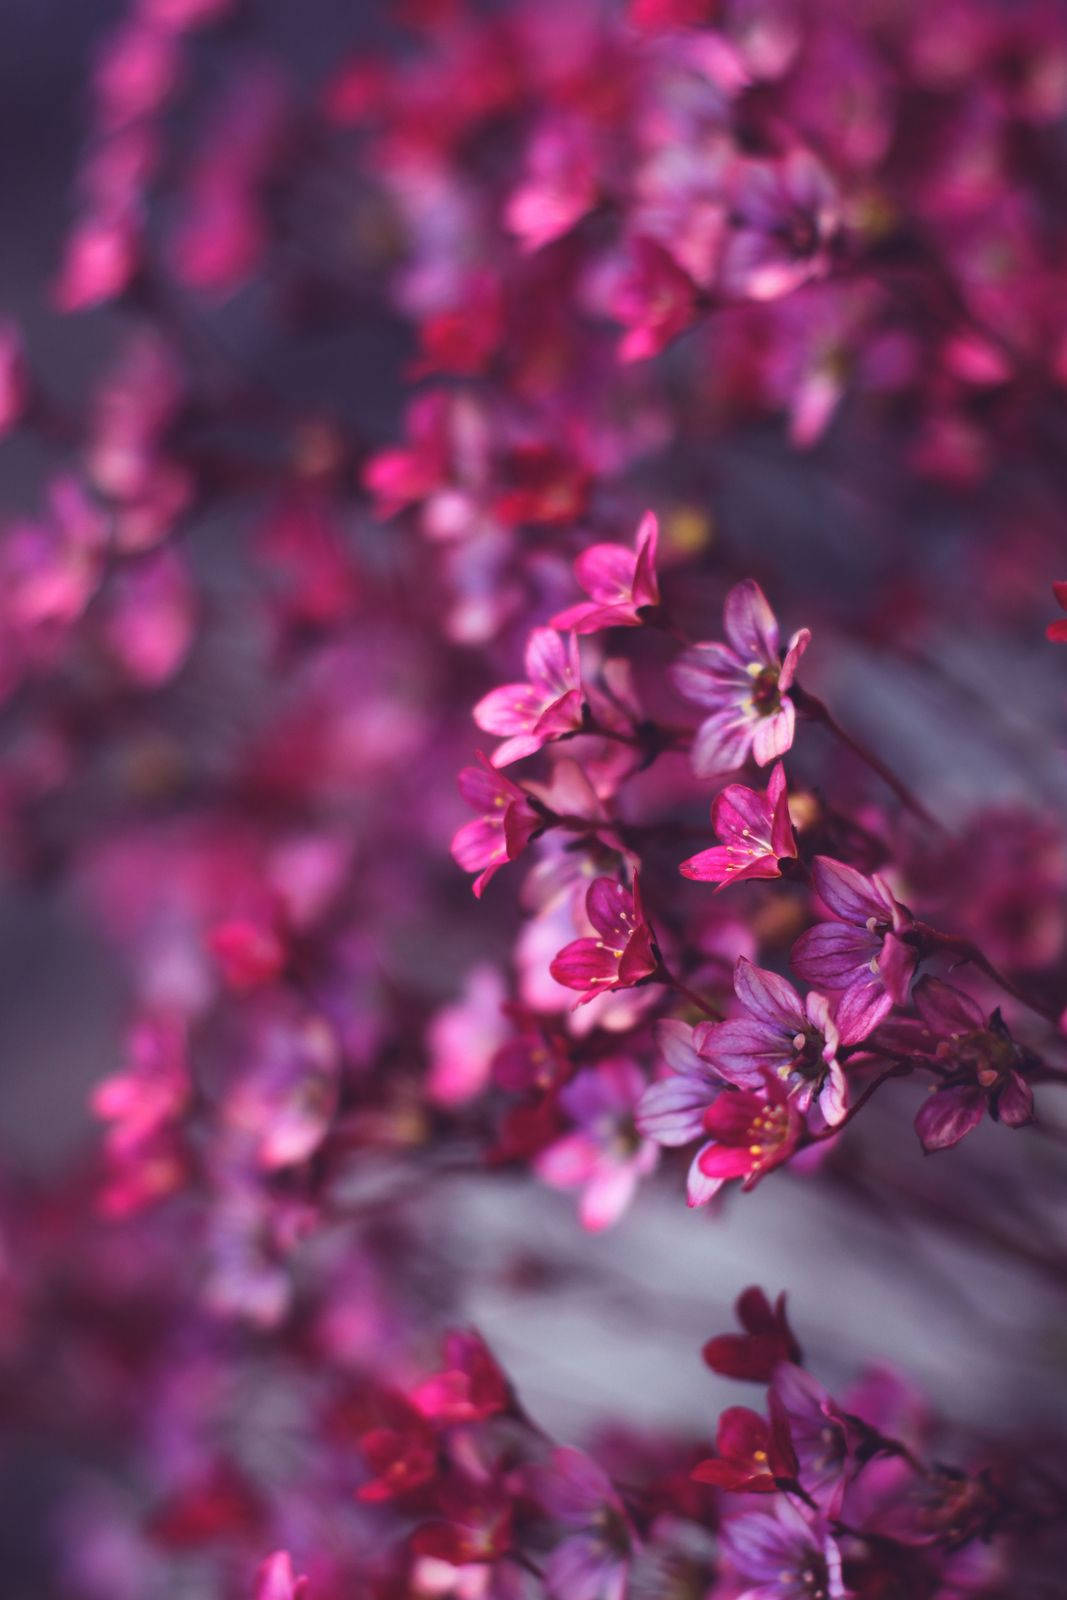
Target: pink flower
(549, 704)
(469, 1388)
(276, 1580)
(505, 827)
(1057, 631)
(621, 956)
(756, 833)
(605, 1156)
(861, 956)
(619, 583)
(463, 1038)
(788, 215)
(655, 301)
(560, 185)
(743, 685)
(751, 1135)
(983, 1068)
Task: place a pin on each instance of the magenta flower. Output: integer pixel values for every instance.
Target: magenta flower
(753, 1455)
(529, 714)
(796, 1040)
(767, 1339)
(621, 583)
(783, 1554)
(787, 218)
(751, 1134)
(744, 685)
(503, 830)
(621, 956)
(655, 301)
(984, 1068)
(756, 833)
(1057, 631)
(605, 1155)
(861, 956)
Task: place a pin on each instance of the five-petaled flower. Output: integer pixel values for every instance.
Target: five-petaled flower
(503, 830)
(756, 834)
(621, 583)
(983, 1068)
(743, 685)
(796, 1040)
(1057, 631)
(527, 715)
(861, 956)
(621, 954)
(785, 1555)
(751, 1134)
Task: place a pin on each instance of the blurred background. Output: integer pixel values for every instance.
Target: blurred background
(136, 795)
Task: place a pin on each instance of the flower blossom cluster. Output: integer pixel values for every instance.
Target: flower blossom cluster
(525, 662)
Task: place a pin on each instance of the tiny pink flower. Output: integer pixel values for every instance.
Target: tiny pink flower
(529, 714)
(743, 685)
(756, 832)
(1057, 631)
(604, 1155)
(751, 1134)
(655, 302)
(620, 956)
(507, 823)
(463, 1038)
(620, 583)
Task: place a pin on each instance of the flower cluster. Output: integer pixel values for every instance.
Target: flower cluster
(430, 384)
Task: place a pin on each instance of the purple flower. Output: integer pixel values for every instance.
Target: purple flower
(550, 703)
(785, 1554)
(672, 1111)
(620, 583)
(593, 1562)
(743, 685)
(605, 1155)
(861, 955)
(983, 1065)
(788, 214)
(756, 833)
(796, 1040)
(822, 1436)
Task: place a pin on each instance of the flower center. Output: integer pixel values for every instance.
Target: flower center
(765, 696)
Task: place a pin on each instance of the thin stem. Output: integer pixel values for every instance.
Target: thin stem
(663, 974)
(814, 708)
(899, 1069)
